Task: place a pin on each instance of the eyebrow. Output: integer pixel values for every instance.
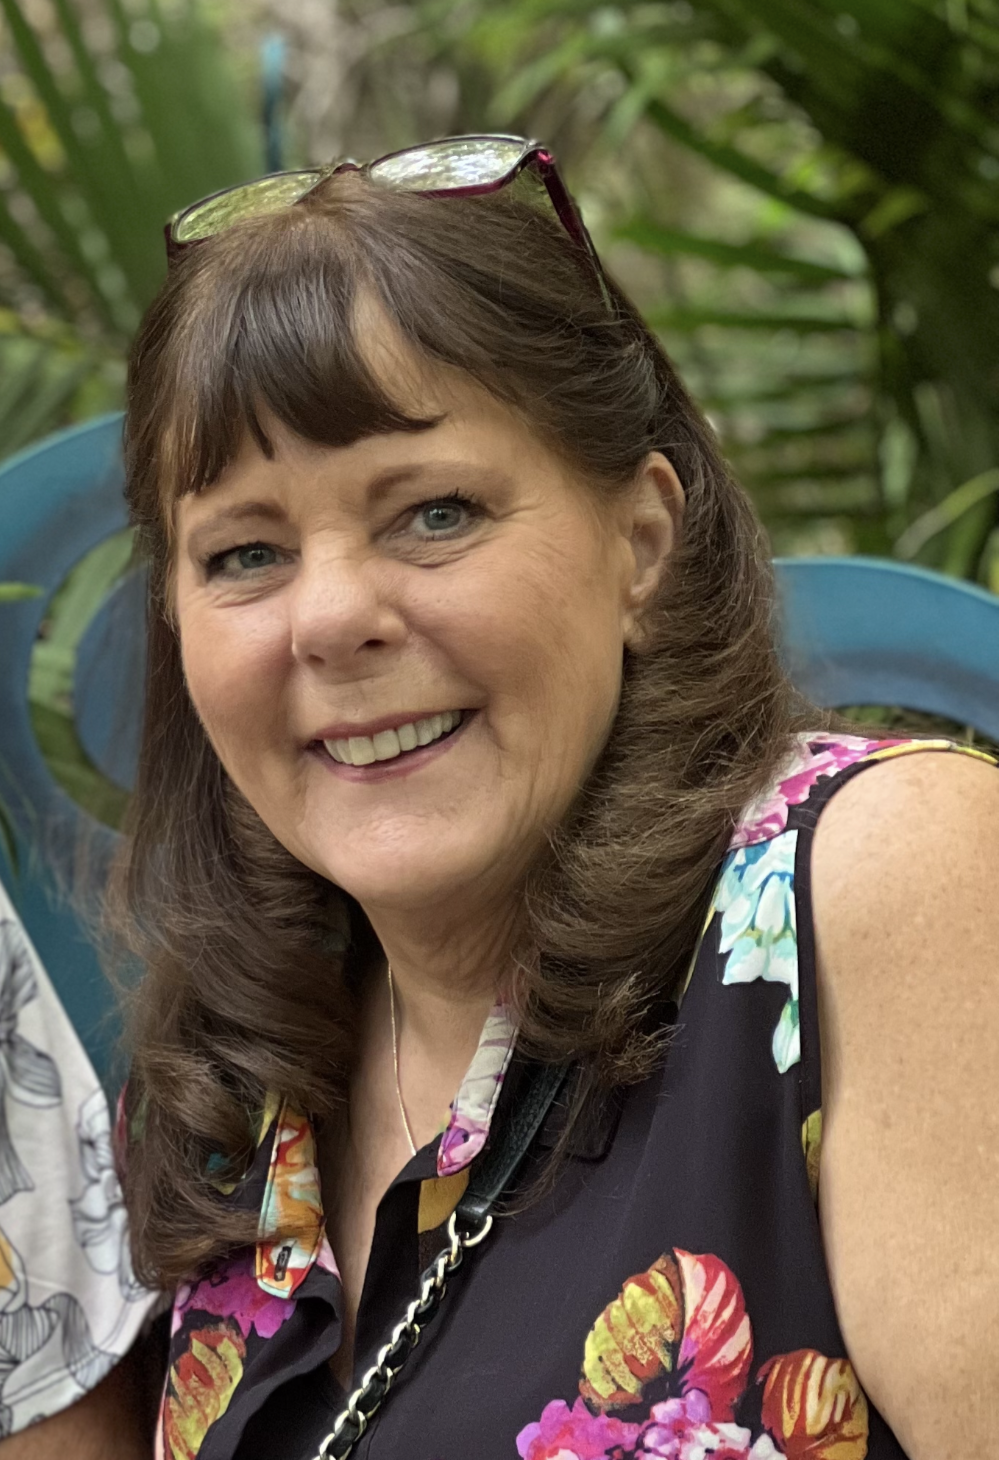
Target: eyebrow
(229, 516)
(454, 471)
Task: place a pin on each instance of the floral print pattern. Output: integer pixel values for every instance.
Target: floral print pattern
(70, 1307)
(28, 1074)
(292, 1207)
(473, 1106)
(99, 1218)
(814, 756)
(253, 1294)
(200, 1386)
(755, 897)
(758, 933)
(236, 1295)
(677, 1342)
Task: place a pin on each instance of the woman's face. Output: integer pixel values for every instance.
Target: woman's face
(407, 652)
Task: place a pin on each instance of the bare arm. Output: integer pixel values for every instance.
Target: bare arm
(906, 900)
(112, 1422)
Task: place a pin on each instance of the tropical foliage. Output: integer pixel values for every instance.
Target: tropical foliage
(111, 117)
(803, 194)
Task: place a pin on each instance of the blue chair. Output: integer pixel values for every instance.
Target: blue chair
(863, 631)
(61, 503)
(856, 631)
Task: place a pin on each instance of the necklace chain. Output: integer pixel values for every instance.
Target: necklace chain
(395, 1065)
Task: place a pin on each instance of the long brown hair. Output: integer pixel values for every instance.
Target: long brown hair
(248, 954)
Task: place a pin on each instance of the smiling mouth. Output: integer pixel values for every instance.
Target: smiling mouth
(388, 745)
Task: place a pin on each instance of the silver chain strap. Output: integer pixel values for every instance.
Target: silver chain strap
(368, 1396)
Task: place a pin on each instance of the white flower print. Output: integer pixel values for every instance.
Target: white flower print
(755, 897)
(27, 1074)
(99, 1218)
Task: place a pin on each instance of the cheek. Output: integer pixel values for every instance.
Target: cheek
(230, 677)
(540, 630)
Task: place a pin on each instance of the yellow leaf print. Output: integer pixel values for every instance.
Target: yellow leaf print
(201, 1384)
(634, 1338)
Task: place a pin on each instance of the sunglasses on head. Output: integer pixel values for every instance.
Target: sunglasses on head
(453, 167)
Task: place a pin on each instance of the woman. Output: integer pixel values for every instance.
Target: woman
(468, 760)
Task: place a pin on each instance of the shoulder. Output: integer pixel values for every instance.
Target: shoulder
(908, 798)
(903, 868)
(903, 874)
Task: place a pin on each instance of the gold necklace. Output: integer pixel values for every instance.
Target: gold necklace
(395, 1064)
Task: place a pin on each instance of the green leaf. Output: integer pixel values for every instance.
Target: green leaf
(97, 163)
(759, 257)
(104, 208)
(73, 769)
(739, 164)
(51, 677)
(7, 843)
(946, 513)
(31, 260)
(44, 191)
(39, 383)
(15, 592)
(695, 318)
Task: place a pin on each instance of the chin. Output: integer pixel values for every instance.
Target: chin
(414, 876)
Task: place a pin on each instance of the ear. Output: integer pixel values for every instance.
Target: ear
(654, 509)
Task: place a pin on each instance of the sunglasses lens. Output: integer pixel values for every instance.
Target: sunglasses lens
(458, 162)
(267, 195)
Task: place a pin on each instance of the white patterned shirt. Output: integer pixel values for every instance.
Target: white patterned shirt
(70, 1306)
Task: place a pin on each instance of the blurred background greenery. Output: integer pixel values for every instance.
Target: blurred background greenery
(802, 195)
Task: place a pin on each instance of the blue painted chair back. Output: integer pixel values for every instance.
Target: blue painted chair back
(862, 631)
(856, 631)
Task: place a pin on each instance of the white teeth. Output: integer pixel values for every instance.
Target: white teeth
(362, 749)
(387, 744)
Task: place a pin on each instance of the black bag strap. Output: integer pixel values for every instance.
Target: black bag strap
(469, 1224)
(499, 1162)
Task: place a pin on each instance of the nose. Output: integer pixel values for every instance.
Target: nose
(340, 609)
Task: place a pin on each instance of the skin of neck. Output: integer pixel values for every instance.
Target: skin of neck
(448, 973)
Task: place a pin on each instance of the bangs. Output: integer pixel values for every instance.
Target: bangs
(267, 321)
(270, 331)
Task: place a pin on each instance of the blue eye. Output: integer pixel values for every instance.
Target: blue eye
(444, 517)
(251, 557)
(255, 555)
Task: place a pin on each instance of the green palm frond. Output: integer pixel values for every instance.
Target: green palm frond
(813, 185)
(99, 142)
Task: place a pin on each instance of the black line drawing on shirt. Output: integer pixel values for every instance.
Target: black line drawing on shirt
(39, 1346)
(100, 1221)
(27, 1074)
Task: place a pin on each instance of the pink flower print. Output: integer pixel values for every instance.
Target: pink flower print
(816, 755)
(576, 1434)
(472, 1110)
(671, 1422)
(704, 1442)
(683, 1326)
(233, 1292)
(683, 1429)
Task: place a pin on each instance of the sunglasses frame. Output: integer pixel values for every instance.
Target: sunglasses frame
(533, 155)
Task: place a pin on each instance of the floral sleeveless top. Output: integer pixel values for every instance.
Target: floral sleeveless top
(669, 1301)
